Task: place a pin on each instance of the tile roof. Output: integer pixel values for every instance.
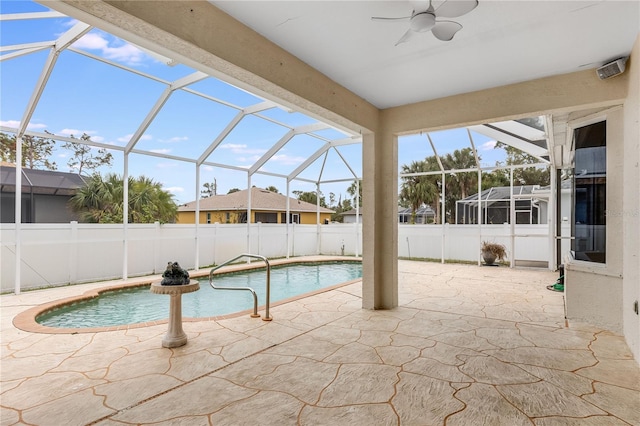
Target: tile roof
(261, 199)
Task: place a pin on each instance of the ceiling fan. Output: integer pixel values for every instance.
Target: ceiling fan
(425, 18)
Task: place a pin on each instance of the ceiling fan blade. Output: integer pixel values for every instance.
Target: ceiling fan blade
(383, 19)
(445, 30)
(420, 5)
(406, 37)
(455, 8)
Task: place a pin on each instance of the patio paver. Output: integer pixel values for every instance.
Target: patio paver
(467, 345)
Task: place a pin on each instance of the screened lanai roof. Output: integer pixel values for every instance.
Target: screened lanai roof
(40, 181)
(499, 193)
(62, 78)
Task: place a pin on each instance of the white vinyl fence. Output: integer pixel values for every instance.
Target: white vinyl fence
(60, 254)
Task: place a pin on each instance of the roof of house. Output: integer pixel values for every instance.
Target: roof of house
(261, 199)
(351, 212)
(40, 181)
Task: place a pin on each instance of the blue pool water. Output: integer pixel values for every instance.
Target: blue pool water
(136, 305)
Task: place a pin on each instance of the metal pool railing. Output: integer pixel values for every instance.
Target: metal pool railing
(255, 296)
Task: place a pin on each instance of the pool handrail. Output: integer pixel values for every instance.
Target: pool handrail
(255, 296)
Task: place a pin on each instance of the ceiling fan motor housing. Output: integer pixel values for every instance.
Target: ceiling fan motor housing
(422, 22)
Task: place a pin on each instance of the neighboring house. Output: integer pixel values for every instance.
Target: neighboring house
(266, 207)
(424, 215)
(496, 206)
(45, 195)
(350, 216)
(542, 195)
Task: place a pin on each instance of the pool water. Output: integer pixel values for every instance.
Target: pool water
(138, 304)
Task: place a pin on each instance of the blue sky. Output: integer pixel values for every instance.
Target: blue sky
(108, 103)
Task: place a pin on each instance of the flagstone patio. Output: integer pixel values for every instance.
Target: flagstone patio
(468, 345)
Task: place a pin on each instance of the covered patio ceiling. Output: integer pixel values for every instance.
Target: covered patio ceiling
(502, 42)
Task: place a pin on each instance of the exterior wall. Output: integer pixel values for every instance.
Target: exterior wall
(631, 205)
(352, 218)
(306, 218)
(53, 209)
(46, 208)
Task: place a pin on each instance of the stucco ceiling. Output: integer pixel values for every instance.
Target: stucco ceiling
(502, 42)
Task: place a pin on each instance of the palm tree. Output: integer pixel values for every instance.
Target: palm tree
(101, 200)
(465, 182)
(417, 190)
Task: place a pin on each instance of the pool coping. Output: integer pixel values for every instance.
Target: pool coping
(26, 320)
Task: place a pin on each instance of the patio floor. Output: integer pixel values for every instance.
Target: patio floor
(468, 345)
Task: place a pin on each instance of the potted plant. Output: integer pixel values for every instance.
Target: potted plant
(492, 252)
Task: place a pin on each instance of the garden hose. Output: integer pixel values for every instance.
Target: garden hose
(558, 285)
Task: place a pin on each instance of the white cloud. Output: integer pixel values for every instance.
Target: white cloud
(114, 49)
(16, 124)
(488, 145)
(232, 146)
(76, 133)
(9, 123)
(127, 138)
(287, 159)
(242, 149)
(174, 189)
(251, 159)
(161, 151)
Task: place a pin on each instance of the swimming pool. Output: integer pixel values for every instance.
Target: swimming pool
(137, 304)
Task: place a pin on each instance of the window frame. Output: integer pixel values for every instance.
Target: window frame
(572, 126)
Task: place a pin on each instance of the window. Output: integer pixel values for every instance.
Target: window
(590, 186)
(294, 218)
(266, 217)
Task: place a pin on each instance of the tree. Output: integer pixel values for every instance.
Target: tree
(459, 185)
(210, 188)
(351, 190)
(416, 191)
(527, 175)
(36, 151)
(272, 189)
(310, 197)
(85, 157)
(101, 200)
(339, 208)
(232, 190)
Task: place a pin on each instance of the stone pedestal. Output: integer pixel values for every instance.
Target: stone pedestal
(175, 335)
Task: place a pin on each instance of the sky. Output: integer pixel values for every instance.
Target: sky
(83, 95)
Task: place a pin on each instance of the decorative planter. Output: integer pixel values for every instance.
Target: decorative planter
(488, 257)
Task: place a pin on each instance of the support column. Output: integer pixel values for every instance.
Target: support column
(379, 225)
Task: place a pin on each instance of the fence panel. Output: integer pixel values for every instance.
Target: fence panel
(341, 239)
(58, 254)
(305, 240)
(99, 251)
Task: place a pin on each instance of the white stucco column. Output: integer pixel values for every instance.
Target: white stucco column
(379, 225)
